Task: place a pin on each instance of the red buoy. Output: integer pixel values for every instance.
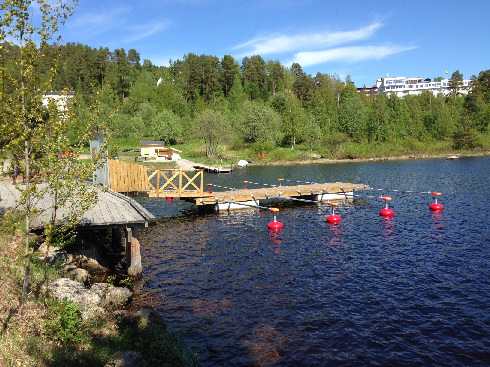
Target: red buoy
(209, 191)
(245, 182)
(436, 207)
(332, 218)
(275, 225)
(386, 212)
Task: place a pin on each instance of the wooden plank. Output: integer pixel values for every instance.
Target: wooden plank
(128, 177)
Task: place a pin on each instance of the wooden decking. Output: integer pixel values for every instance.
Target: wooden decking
(111, 210)
(315, 192)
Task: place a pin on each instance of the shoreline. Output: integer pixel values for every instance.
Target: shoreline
(407, 157)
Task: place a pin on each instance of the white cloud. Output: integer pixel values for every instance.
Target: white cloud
(347, 54)
(139, 32)
(98, 23)
(279, 43)
(118, 22)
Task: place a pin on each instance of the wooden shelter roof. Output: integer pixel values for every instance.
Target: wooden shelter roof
(111, 210)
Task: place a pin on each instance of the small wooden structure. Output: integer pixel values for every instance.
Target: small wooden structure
(157, 150)
(112, 211)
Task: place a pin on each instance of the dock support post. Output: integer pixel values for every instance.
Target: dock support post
(133, 255)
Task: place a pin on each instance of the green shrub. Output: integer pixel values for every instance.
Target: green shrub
(413, 145)
(64, 322)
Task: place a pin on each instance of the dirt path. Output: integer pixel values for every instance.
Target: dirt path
(185, 164)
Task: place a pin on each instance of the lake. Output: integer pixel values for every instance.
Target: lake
(410, 290)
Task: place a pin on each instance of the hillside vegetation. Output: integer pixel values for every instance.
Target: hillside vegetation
(220, 109)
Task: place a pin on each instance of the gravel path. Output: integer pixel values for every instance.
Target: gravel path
(185, 164)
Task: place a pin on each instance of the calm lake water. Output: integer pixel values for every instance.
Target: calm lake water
(413, 290)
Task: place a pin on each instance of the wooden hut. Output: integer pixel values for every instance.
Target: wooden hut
(157, 150)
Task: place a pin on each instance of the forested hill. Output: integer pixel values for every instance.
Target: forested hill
(257, 102)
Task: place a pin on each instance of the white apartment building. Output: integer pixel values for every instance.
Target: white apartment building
(403, 86)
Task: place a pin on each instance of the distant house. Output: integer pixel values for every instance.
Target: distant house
(61, 98)
(371, 92)
(157, 150)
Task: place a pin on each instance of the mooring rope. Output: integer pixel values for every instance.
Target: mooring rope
(395, 190)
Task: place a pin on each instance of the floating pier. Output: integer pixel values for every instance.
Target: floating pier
(212, 169)
(240, 199)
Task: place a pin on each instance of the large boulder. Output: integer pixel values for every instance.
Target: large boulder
(80, 275)
(65, 289)
(54, 255)
(110, 296)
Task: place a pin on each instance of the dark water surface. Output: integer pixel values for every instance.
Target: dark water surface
(413, 290)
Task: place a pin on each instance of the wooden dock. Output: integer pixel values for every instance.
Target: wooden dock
(214, 169)
(239, 199)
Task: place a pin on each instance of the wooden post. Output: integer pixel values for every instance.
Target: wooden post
(180, 182)
(158, 183)
(201, 191)
(133, 255)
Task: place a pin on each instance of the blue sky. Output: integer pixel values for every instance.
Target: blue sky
(365, 39)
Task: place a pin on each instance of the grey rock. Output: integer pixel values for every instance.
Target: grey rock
(65, 289)
(44, 247)
(127, 359)
(110, 296)
(80, 275)
(60, 256)
(88, 260)
(140, 320)
(149, 316)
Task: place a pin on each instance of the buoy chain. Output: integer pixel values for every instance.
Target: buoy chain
(224, 187)
(302, 182)
(257, 183)
(396, 190)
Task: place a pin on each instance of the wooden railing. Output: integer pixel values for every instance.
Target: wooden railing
(127, 177)
(176, 183)
(130, 177)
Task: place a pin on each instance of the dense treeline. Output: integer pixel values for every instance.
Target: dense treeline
(258, 103)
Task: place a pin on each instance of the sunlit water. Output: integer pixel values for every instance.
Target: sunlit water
(413, 290)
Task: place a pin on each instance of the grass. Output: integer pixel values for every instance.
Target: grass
(45, 332)
(338, 146)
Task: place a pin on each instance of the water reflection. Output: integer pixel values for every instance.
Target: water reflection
(334, 235)
(276, 238)
(388, 231)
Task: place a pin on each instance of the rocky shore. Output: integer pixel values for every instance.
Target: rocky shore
(99, 300)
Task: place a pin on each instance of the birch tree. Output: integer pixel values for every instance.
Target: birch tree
(35, 127)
